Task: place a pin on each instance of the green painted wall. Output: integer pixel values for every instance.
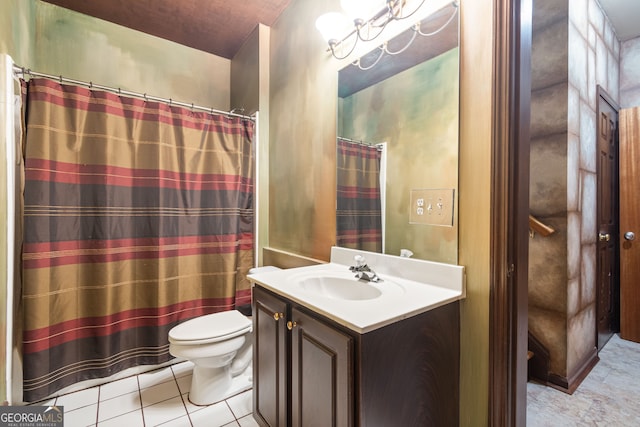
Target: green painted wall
(416, 113)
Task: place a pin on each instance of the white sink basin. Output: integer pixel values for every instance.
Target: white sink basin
(343, 285)
(340, 288)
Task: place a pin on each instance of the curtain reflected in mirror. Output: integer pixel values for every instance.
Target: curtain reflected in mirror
(360, 169)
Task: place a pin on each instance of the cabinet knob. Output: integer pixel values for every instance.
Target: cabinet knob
(277, 316)
(291, 325)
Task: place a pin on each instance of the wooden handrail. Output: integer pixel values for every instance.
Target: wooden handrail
(535, 226)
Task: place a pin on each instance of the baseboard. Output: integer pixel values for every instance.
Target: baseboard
(570, 384)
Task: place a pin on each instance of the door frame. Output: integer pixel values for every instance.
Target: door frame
(508, 298)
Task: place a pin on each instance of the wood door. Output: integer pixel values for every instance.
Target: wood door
(270, 361)
(321, 374)
(630, 224)
(607, 219)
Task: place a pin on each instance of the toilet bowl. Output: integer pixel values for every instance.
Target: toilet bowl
(220, 347)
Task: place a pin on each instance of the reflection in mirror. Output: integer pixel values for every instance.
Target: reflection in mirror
(410, 101)
(361, 195)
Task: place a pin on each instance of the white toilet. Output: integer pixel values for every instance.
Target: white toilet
(220, 347)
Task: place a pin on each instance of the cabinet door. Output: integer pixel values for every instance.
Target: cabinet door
(269, 359)
(321, 374)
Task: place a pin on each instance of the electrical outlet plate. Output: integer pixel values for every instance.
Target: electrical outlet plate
(431, 206)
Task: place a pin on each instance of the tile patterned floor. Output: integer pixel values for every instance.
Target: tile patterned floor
(609, 396)
(156, 398)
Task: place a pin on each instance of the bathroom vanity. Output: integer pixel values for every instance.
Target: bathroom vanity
(330, 350)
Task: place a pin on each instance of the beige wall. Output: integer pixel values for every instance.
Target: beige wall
(474, 240)
(302, 171)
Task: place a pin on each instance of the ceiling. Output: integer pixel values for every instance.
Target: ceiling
(219, 27)
(624, 16)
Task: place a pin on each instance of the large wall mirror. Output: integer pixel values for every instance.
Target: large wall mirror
(406, 108)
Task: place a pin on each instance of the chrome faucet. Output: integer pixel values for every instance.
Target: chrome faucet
(363, 271)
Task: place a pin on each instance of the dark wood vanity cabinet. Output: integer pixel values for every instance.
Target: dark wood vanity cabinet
(310, 371)
(270, 360)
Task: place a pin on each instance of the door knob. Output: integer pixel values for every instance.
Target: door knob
(630, 235)
(277, 316)
(291, 325)
(604, 237)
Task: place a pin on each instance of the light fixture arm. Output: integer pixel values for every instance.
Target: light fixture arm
(394, 10)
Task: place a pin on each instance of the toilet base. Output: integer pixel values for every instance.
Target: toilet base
(224, 386)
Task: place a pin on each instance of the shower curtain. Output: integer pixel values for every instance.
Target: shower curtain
(137, 215)
(358, 217)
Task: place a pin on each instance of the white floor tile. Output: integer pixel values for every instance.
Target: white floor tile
(78, 399)
(190, 406)
(118, 388)
(163, 412)
(182, 369)
(215, 415)
(178, 422)
(248, 421)
(241, 404)
(159, 393)
(158, 376)
(119, 405)
(82, 417)
(131, 419)
(232, 424)
(184, 383)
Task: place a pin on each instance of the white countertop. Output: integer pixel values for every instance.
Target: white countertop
(402, 297)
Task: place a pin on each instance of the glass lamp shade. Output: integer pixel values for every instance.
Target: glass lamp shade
(362, 9)
(333, 25)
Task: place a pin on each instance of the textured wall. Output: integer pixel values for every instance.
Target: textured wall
(250, 91)
(89, 49)
(574, 51)
(302, 175)
(593, 47)
(630, 73)
(416, 113)
(548, 178)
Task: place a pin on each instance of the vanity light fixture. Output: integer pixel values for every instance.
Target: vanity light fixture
(366, 21)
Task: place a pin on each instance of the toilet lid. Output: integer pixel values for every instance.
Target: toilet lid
(211, 327)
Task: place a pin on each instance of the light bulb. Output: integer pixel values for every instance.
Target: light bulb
(332, 25)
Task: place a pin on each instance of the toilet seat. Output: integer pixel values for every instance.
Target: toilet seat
(210, 328)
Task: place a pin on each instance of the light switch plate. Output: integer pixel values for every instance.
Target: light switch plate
(431, 206)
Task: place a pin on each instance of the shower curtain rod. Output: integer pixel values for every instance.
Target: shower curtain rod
(370, 144)
(25, 71)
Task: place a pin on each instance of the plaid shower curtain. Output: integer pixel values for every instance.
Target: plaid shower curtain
(137, 215)
(358, 217)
